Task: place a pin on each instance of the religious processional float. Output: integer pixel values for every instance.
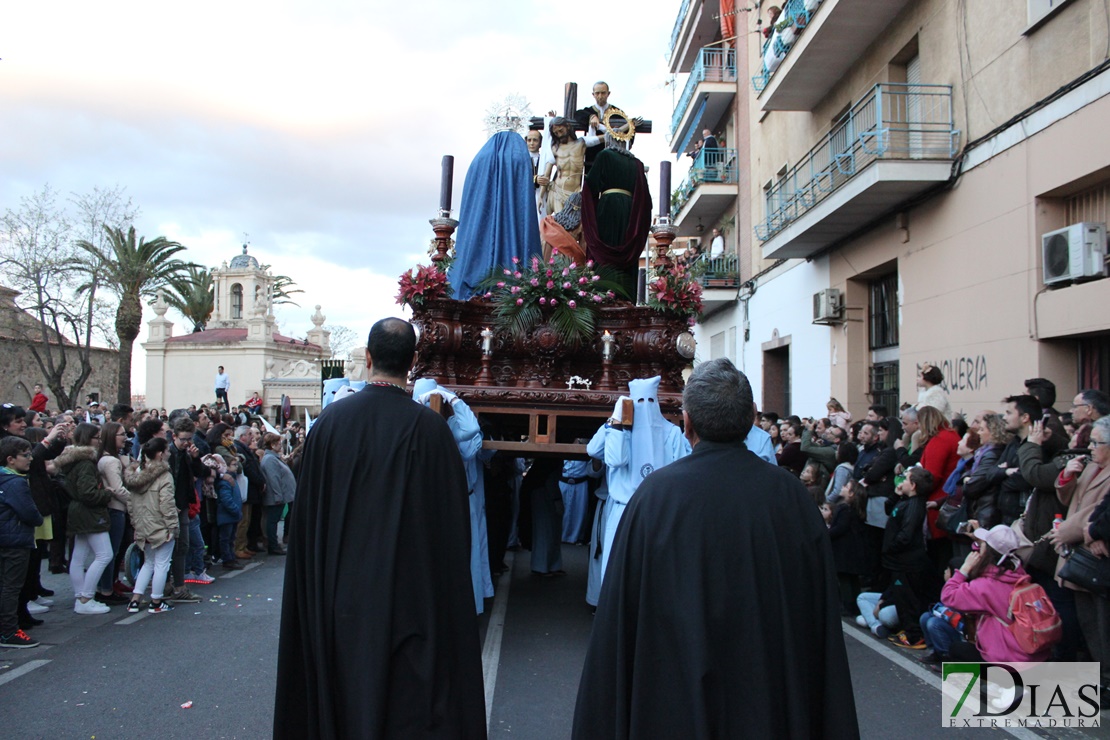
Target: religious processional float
(539, 334)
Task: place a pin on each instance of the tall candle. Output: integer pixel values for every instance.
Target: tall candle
(665, 188)
(445, 182)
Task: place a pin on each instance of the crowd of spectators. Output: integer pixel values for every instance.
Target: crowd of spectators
(936, 519)
(135, 506)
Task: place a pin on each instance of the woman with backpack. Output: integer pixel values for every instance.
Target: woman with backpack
(984, 591)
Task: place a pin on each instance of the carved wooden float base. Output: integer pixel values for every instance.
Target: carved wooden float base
(520, 390)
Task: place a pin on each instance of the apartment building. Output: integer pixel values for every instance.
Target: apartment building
(916, 182)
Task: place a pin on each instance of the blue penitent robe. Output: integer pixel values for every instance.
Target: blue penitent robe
(576, 501)
(632, 455)
(497, 218)
(468, 436)
(601, 517)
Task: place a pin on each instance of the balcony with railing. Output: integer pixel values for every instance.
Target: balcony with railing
(814, 44)
(893, 144)
(708, 190)
(719, 272)
(696, 25)
(719, 278)
(708, 93)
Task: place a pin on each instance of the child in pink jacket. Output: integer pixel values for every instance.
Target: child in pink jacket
(981, 588)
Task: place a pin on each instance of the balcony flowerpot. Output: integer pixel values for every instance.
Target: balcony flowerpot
(801, 21)
(787, 36)
(811, 5)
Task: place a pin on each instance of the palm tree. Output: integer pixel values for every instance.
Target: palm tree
(193, 294)
(283, 290)
(133, 268)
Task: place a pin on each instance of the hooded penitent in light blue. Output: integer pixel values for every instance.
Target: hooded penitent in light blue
(330, 387)
(497, 218)
(649, 429)
(631, 456)
(468, 436)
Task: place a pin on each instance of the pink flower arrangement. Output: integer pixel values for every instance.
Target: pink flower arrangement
(558, 290)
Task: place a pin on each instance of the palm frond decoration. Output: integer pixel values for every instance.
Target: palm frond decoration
(568, 294)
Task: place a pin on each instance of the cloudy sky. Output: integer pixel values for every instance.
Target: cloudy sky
(316, 128)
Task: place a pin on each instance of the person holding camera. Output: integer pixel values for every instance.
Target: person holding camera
(1081, 486)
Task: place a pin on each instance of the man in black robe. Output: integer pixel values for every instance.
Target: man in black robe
(719, 614)
(379, 638)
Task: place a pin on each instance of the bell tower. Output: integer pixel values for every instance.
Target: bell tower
(244, 294)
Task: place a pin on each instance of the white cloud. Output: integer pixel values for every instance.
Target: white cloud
(317, 128)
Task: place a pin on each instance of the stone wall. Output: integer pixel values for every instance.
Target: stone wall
(19, 372)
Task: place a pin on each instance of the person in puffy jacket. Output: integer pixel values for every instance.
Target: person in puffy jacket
(154, 517)
(981, 589)
(229, 505)
(88, 519)
(18, 519)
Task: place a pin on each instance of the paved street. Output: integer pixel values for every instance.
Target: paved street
(126, 676)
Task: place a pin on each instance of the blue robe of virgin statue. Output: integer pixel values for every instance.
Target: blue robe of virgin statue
(497, 218)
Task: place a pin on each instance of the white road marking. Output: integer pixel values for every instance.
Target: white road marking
(25, 668)
(143, 614)
(491, 650)
(233, 573)
(920, 672)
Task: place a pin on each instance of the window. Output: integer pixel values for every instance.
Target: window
(1092, 205)
(773, 191)
(883, 312)
(883, 385)
(883, 336)
(237, 301)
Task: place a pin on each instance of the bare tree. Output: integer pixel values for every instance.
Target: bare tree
(343, 339)
(51, 322)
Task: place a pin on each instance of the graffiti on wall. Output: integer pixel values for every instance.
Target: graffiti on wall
(962, 373)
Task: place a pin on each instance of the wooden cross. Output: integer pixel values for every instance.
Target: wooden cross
(570, 107)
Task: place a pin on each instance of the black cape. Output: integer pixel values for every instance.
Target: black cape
(378, 632)
(719, 613)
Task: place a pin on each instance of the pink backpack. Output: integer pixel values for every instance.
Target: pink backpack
(1034, 622)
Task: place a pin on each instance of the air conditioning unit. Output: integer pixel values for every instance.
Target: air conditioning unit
(1074, 253)
(828, 306)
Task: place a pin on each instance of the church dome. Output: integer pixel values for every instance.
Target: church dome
(244, 260)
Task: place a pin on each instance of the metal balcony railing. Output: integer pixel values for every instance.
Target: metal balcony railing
(682, 11)
(722, 272)
(710, 166)
(715, 64)
(893, 121)
(794, 19)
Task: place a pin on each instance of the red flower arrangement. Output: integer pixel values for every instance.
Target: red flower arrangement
(421, 284)
(674, 290)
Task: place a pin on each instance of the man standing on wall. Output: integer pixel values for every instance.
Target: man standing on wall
(223, 385)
